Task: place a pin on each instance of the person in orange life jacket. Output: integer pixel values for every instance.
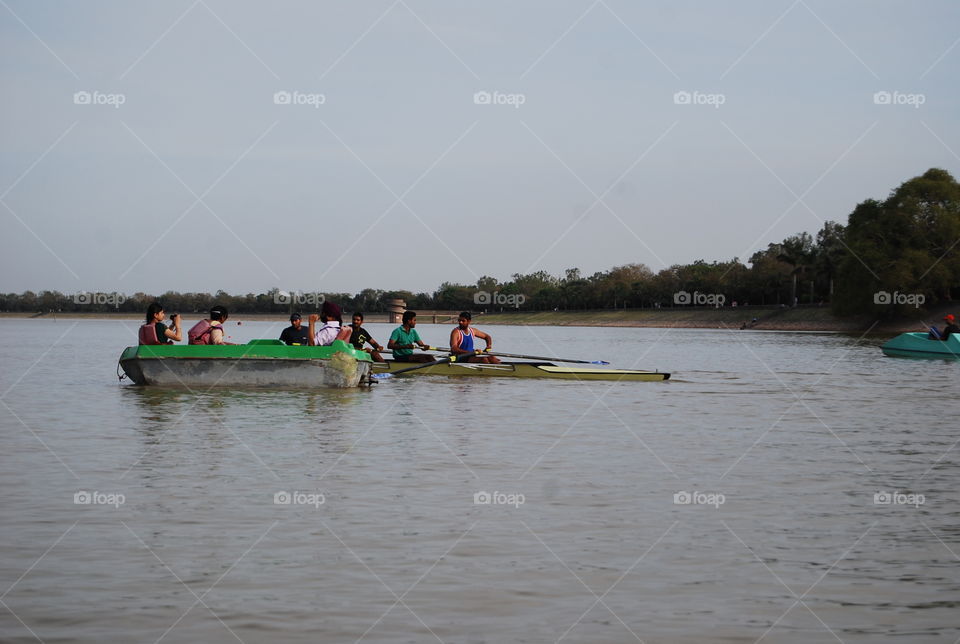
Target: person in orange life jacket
(154, 331)
(332, 328)
(210, 331)
(461, 341)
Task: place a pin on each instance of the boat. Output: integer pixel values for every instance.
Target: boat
(522, 370)
(260, 363)
(919, 345)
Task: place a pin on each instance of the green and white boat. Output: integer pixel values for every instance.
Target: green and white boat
(919, 345)
(260, 363)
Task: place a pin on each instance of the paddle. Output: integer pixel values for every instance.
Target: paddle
(422, 365)
(517, 355)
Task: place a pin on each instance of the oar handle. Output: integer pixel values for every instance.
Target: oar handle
(525, 357)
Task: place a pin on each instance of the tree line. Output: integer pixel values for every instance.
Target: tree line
(890, 257)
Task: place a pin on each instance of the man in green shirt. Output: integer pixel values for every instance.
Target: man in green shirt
(405, 339)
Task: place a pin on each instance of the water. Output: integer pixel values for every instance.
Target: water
(785, 438)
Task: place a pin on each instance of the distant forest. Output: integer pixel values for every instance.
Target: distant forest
(889, 257)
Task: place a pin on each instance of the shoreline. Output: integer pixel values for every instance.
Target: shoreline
(803, 319)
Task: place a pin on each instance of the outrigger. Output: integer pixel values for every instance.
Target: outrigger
(520, 370)
(538, 367)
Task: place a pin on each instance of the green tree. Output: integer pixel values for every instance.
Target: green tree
(907, 244)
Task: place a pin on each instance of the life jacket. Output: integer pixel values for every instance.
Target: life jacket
(148, 334)
(201, 332)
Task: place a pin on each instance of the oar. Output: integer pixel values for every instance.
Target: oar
(517, 355)
(422, 365)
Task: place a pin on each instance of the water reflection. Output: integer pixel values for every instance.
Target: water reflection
(216, 420)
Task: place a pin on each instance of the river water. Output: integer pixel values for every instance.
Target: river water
(782, 487)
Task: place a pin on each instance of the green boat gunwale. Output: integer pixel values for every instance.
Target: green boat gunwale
(254, 350)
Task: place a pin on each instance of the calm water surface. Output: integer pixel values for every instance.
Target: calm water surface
(781, 441)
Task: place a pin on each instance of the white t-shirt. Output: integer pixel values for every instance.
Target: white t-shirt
(326, 334)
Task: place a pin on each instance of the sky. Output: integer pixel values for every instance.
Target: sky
(200, 145)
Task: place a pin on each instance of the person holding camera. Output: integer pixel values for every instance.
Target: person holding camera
(154, 331)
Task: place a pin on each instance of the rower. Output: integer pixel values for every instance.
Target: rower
(461, 341)
(405, 339)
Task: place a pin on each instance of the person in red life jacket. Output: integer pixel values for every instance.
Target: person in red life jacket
(461, 341)
(210, 331)
(154, 331)
(332, 328)
(951, 327)
(360, 337)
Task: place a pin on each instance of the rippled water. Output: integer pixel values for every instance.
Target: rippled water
(781, 440)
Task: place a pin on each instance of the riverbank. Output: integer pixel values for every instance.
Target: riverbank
(758, 318)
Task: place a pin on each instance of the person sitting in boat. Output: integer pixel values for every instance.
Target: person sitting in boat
(331, 330)
(295, 334)
(405, 339)
(154, 331)
(210, 331)
(951, 327)
(360, 336)
(461, 341)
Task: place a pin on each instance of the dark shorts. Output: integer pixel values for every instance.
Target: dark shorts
(397, 358)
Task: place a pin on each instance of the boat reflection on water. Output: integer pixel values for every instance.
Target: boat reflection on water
(252, 419)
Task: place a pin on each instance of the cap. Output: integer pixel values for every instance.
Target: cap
(949, 317)
(294, 316)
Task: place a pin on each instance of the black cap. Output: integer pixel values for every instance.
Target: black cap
(294, 316)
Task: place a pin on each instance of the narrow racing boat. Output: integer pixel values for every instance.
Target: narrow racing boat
(522, 370)
(919, 345)
(261, 363)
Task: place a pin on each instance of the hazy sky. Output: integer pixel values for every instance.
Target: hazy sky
(181, 168)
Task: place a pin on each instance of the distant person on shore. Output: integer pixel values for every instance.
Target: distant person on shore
(331, 330)
(360, 336)
(210, 331)
(295, 333)
(461, 341)
(154, 331)
(405, 339)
